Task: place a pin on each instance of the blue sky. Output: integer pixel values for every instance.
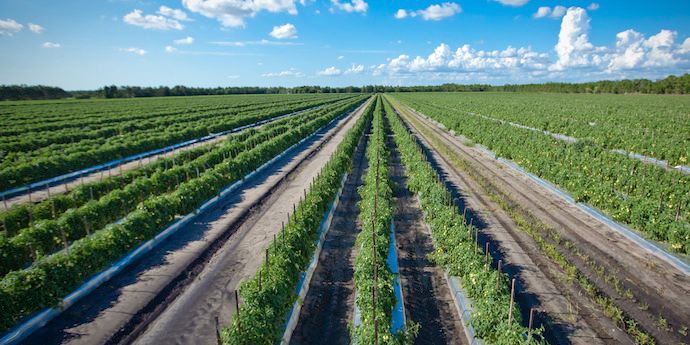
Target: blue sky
(87, 44)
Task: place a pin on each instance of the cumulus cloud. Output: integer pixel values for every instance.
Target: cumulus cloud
(184, 41)
(573, 47)
(50, 45)
(574, 58)
(9, 27)
(433, 12)
(173, 13)
(514, 3)
(593, 6)
(170, 49)
(355, 69)
(284, 31)
(35, 28)
(288, 73)
(151, 21)
(232, 13)
(330, 72)
(546, 11)
(133, 50)
(351, 6)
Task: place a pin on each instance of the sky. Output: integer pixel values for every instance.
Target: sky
(87, 44)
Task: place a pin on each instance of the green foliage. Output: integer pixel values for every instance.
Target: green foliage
(45, 139)
(375, 214)
(52, 277)
(649, 198)
(455, 247)
(267, 300)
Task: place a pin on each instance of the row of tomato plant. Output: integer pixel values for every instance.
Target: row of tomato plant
(646, 197)
(20, 167)
(19, 216)
(45, 236)
(652, 125)
(373, 278)
(38, 140)
(52, 277)
(455, 246)
(271, 293)
(58, 115)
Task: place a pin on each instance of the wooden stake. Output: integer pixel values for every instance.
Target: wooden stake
(498, 275)
(512, 299)
(218, 333)
(529, 327)
(237, 309)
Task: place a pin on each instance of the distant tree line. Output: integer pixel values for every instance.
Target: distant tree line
(669, 85)
(23, 92)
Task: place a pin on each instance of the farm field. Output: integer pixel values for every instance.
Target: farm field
(366, 218)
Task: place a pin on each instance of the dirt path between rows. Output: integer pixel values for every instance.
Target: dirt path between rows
(659, 290)
(113, 311)
(190, 318)
(327, 308)
(428, 300)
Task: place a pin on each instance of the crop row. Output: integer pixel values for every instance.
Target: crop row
(269, 295)
(648, 198)
(655, 126)
(16, 170)
(456, 247)
(56, 115)
(20, 215)
(44, 237)
(373, 278)
(52, 277)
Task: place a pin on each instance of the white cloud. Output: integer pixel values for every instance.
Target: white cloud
(288, 73)
(355, 69)
(433, 12)
(170, 49)
(330, 72)
(573, 47)
(151, 21)
(184, 41)
(233, 76)
(9, 27)
(685, 47)
(593, 6)
(575, 58)
(633, 51)
(353, 6)
(514, 3)
(50, 45)
(284, 31)
(546, 11)
(542, 12)
(138, 51)
(173, 13)
(232, 13)
(254, 43)
(36, 28)
(340, 57)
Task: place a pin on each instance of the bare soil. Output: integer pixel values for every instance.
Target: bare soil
(428, 300)
(327, 308)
